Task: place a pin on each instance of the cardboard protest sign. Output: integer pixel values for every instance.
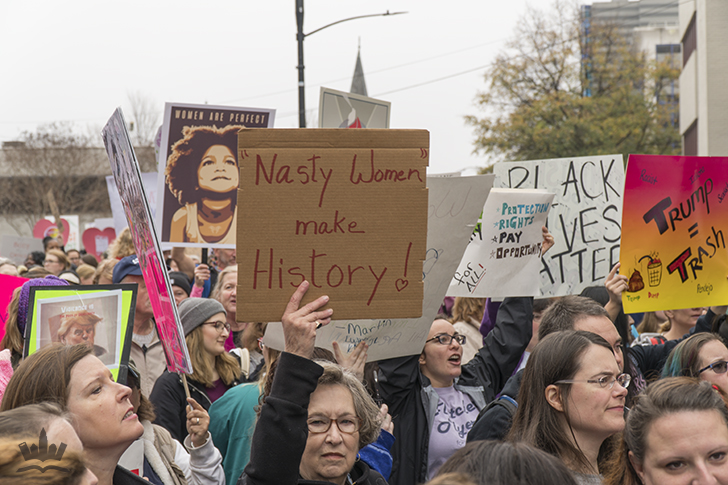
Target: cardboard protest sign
(674, 231)
(453, 207)
(17, 248)
(503, 257)
(125, 168)
(99, 316)
(198, 174)
(338, 109)
(343, 209)
(8, 284)
(584, 217)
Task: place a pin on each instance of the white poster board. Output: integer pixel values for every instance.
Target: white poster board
(338, 109)
(17, 248)
(73, 234)
(453, 205)
(503, 257)
(149, 181)
(585, 219)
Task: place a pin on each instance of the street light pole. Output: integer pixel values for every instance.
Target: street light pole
(300, 36)
(301, 85)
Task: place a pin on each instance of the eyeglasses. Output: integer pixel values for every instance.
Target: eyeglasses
(718, 367)
(321, 424)
(219, 326)
(604, 381)
(446, 339)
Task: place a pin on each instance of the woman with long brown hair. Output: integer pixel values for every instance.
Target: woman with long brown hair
(215, 371)
(80, 383)
(571, 401)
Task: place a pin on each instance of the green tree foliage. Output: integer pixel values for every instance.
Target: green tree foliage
(537, 106)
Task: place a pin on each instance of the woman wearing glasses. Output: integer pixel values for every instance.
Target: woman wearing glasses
(703, 356)
(215, 371)
(571, 401)
(56, 262)
(317, 415)
(435, 399)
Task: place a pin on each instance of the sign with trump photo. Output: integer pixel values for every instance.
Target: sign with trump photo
(97, 316)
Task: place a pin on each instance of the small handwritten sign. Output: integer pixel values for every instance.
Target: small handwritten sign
(454, 205)
(17, 248)
(503, 256)
(343, 209)
(584, 218)
(674, 231)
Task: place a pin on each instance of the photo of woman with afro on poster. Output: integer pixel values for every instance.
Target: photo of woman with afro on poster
(202, 172)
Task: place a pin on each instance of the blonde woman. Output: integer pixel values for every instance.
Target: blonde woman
(86, 273)
(104, 274)
(226, 292)
(679, 322)
(215, 371)
(122, 246)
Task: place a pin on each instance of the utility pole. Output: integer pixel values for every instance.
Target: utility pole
(300, 36)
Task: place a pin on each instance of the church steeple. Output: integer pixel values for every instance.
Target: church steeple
(358, 85)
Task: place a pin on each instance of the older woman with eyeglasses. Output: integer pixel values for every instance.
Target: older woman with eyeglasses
(703, 356)
(215, 371)
(316, 417)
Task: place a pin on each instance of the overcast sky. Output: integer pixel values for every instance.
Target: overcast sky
(78, 60)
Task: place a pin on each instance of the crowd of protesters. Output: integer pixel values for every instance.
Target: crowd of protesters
(565, 390)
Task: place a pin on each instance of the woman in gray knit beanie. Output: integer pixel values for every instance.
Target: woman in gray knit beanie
(214, 370)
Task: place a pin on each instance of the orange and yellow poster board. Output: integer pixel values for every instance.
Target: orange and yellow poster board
(674, 230)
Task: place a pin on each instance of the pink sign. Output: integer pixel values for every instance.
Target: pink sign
(125, 168)
(8, 284)
(674, 231)
(44, 228)
(96, 241)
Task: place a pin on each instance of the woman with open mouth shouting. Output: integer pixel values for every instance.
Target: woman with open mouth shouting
(435, 400)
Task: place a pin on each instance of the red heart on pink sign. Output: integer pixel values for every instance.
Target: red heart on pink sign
(44, 228)
(96, 241)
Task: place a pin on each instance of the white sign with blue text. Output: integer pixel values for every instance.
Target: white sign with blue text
(503, 257)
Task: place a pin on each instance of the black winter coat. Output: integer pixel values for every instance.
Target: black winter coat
(280, 435)
(405, 390)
